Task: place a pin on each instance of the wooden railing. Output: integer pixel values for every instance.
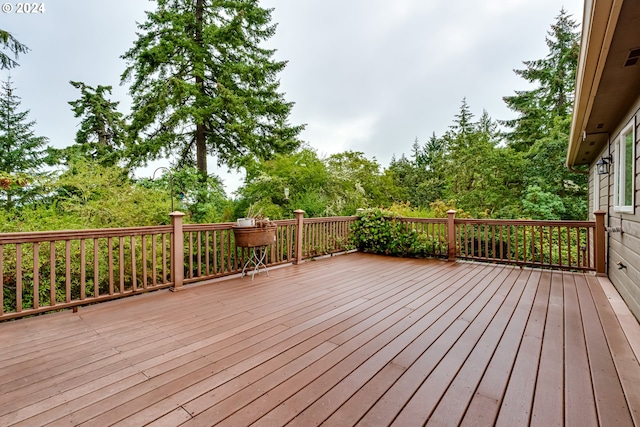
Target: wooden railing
(548, 244)
(47, 271)
(568, 245)
(434, 232)
(323, 236)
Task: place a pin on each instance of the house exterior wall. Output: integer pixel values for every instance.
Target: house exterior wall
(623, 246)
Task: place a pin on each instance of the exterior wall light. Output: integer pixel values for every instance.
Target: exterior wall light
(603, 165)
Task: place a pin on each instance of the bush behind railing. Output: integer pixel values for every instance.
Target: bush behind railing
(383, 232)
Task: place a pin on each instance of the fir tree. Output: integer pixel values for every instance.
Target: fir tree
(15, 47)
(554, 78)
(22, 154)
(101, 136)
(202, 84)
(540, 133)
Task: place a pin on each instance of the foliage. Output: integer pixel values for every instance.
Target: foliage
(104, 197)
(101, 136)
(545, 169)
(15, 48)
(22, 153)
(439, 209)
(381, 231)
(478, 180)
(406, 210)
(337, 185)
(495, 174)
(539, 204)
(541, 130)
(302, 172)
(554, 80)
(356, 182)
(468, 165)
(203, 200)
(202, 85)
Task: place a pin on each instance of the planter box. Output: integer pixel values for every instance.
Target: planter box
(246, 222)
(251, 237)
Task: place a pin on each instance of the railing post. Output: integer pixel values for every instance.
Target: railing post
(299, 228)
(451, 234)
(177, 251)
(600, 244)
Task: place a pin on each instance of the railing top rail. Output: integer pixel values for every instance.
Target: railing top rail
(208, 227)
(283, 222)
(554, 223)
(425, 220)
(47, 236)
(330, 219)
(279, 223)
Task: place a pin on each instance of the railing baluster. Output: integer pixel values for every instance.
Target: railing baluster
(164, 258)
(509, 227)
(289, 243)
(493, 242)
(1, 279)
(229, 252)
(110, 249)
(83, 277)
(579, 252)
(134, 278)
(486, 242)
(154, 259)
(517, 243)
(96, 271)
(36, 275)
(590, 264)
(52, 272)
(143, 248)
(215, 251)
(569, 261)
(206, 252)
(18, 277)
(199, 248)
(67, 262)
(190, 242)
(121, 263)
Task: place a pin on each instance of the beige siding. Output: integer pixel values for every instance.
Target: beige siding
(624, 245)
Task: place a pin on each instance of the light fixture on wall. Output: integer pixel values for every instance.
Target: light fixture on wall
(603, 164)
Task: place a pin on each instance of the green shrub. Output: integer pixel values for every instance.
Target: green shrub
(381, 231)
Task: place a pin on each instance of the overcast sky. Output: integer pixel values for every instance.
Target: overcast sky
(365, 75)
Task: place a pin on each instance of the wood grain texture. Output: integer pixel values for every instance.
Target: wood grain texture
(355, 339)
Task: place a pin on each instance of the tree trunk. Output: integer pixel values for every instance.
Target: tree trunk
(201, 142)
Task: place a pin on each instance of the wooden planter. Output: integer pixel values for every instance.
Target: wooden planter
(251, 237)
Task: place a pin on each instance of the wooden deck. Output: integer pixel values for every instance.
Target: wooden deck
(352, 340)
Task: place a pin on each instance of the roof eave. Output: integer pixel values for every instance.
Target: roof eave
(599, 24)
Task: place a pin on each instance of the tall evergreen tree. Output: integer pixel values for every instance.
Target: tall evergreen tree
(202, 84)
(22, 153)
(15, 48)
(102, 135)
(541, 130)
(554, 81)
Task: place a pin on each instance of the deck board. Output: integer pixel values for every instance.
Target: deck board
(352, 340)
